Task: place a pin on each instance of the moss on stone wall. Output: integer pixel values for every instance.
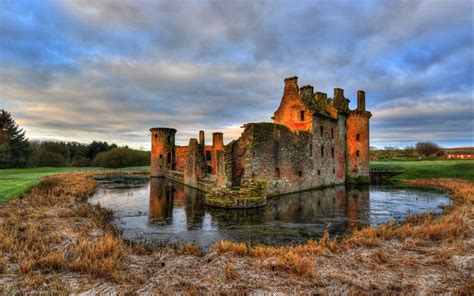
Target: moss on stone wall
(358, 180)
(251, 194)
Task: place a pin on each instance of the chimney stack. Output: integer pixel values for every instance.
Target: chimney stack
(338, 93)
(361, 100)
(218, 141)
(201, 139)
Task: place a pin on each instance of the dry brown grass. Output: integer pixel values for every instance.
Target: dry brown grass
(53, 261)
(293, 263)
(100, 257)
(229, 272)
(239, 249)
(3, 266)
(190, 250)
(52, 235)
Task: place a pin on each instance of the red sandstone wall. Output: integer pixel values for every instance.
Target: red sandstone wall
(162, 151)
(289, 111)
(357, 123)
(181, 152)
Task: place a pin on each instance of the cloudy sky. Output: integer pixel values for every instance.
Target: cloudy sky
(109, 70)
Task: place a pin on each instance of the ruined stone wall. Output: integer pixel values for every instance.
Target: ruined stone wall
(357, 154)
(180, 161)
(287, 161)
(327, 153)
(292, 112)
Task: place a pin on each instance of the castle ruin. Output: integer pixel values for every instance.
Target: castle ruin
(314, 141)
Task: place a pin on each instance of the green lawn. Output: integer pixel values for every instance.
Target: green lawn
(429, 169)
(14, 182)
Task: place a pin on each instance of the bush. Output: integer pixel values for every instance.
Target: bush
(46, 158)
(121, 157)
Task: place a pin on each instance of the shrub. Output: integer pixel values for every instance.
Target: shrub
(121, 157)
(46, 158)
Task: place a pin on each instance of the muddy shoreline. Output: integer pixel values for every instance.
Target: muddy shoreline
(52, 240)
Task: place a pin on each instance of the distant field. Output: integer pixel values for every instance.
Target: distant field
(429, 169)
(14, 182)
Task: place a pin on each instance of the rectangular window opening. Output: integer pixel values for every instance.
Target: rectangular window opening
(311, 150)
(332, 133)
(300, 173)
(208, 155)
(332, 152)
(357, 153)
(358, 137)
(277, 172)
(321, 129)
(319, 172)
(322, 151)
(302, 115)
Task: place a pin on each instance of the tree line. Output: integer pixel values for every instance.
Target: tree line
(422, 150)
(17, 151)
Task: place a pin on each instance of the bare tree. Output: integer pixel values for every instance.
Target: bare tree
(427, 148)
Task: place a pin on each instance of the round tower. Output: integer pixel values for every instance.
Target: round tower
(357, 141)
(162, 150)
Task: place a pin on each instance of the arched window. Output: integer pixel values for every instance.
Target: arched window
(357, 153)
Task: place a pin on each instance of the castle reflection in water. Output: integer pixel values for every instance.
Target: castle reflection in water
(161, 212)
(323, 207)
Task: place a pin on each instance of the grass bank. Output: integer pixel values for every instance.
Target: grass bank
(13, 182)
(428, 169)
(53, 242)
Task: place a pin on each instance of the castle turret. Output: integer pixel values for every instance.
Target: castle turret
(162, 150)
(339, 101)
(357, 141)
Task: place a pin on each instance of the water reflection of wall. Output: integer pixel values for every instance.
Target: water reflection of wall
(161, 206)
(336, 207)
(358, 206)
(165, 197)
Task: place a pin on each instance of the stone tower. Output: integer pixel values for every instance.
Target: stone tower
(357, 139)
(162, 150)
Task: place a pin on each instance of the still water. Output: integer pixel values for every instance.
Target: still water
(161, 212)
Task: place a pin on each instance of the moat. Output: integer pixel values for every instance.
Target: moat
(161, 212)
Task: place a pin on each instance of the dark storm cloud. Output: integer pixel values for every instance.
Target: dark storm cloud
(110, 69)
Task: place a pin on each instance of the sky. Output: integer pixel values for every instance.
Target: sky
(83, 70)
